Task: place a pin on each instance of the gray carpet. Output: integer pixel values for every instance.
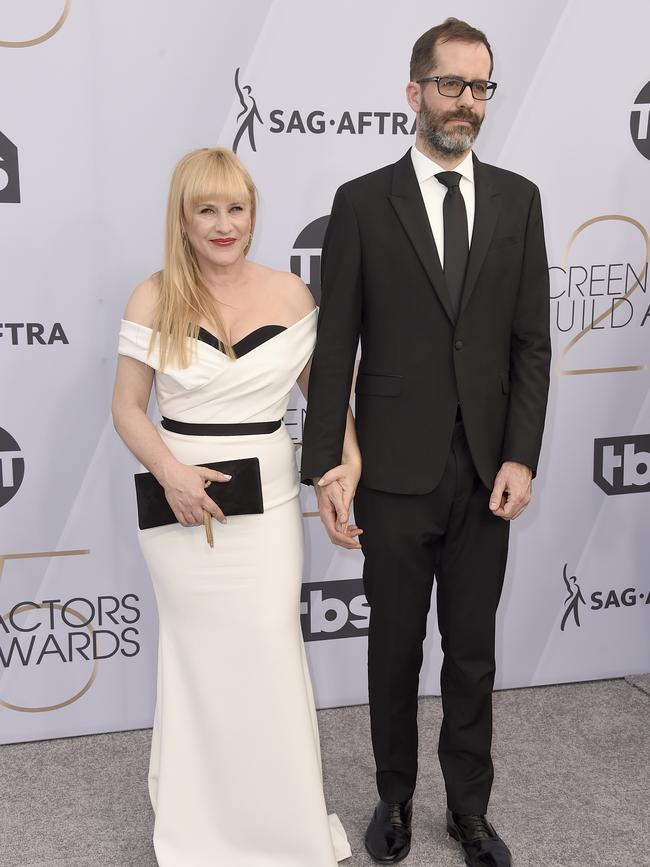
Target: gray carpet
(572, 786)
(641, 681)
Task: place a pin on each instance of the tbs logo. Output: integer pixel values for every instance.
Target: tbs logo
(12, 467)
(622, 464)
(640, 121)
(334, 609)
(306, 255)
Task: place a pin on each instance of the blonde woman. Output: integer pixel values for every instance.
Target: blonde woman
(235, 775)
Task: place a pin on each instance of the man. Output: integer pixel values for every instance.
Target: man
(438, 264)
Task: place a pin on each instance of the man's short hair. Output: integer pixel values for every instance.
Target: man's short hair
(424, 50)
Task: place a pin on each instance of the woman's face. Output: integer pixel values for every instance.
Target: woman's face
(219, 231)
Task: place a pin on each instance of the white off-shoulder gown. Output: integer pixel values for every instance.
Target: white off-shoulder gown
(235, 772)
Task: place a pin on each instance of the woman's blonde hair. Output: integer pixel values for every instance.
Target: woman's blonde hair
(203, 175)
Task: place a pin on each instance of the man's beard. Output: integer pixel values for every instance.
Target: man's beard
(448, 141)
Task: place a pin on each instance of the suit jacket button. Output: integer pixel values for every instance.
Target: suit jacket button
(458, 344)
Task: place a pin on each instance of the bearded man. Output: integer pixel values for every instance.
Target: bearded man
(438, 264)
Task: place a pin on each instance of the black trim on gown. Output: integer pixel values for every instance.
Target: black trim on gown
(246, 344)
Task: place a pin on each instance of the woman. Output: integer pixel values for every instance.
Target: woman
(235, 776)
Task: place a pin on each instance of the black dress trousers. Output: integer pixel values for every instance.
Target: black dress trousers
(407, 539)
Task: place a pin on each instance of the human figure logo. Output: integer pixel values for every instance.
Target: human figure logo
(248, 115)
(640, 121)
(574, 599)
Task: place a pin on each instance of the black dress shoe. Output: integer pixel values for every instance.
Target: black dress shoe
(388, 838)
(481, 844)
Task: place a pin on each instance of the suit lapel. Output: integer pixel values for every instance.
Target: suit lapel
(486, 211)
(407, 200)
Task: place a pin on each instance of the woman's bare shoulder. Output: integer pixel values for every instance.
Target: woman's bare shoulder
(141, 307)
(290, 292)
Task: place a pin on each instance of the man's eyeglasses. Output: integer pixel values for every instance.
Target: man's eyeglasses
(449, 85)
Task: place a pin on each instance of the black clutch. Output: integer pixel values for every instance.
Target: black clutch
(242, 495)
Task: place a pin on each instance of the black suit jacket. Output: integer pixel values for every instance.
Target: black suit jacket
(382, 281)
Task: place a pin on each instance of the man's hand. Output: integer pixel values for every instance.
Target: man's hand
(334, 492)
(512, 490)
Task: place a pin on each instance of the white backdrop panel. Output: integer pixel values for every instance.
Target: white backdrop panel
(99, 114)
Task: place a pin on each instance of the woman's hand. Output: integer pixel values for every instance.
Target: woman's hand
(185, 486)
(335, 492)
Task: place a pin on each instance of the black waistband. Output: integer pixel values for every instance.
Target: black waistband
(220, 430)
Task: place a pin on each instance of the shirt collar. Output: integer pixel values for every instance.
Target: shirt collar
(426, 168)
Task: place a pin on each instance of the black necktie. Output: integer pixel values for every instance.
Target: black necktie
(454, 218)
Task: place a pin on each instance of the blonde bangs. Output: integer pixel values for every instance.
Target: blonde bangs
(215, 179)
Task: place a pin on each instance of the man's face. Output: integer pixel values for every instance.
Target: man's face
(450, 125)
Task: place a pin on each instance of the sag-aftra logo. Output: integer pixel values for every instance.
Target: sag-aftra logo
(601, 601)
(252, 121)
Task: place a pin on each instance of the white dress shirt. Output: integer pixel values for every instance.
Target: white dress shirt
(433, 193)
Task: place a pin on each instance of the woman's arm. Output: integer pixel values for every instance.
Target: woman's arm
(351, 452)
(133, 380)
(184, 485)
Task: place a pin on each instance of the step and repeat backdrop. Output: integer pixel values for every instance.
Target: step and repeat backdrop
(100, 100)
